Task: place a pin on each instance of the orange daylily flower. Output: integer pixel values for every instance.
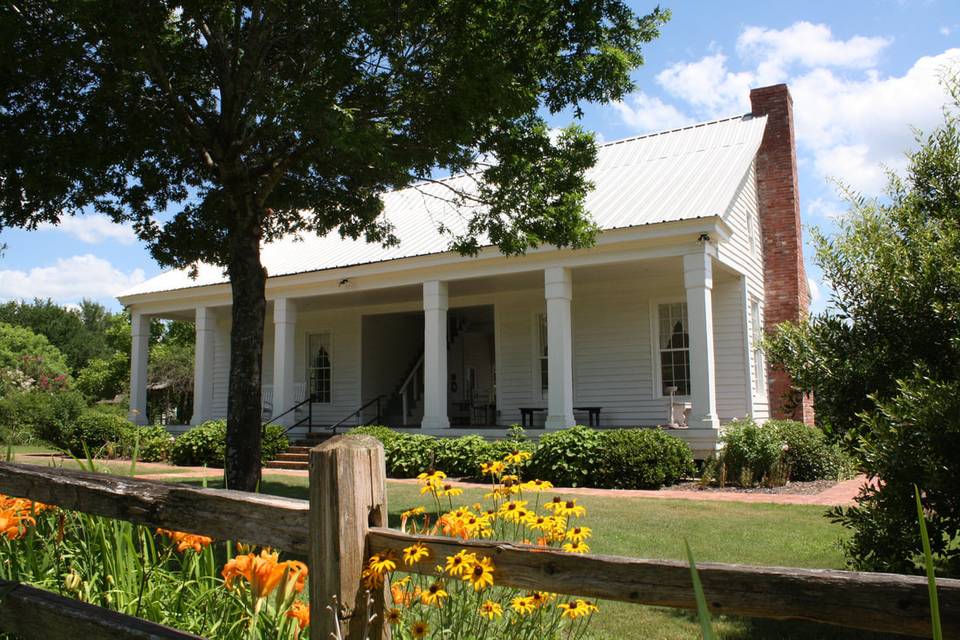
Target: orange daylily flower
(264, 572)
(300, 611)
(185, 540)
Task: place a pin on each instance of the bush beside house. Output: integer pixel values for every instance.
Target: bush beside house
(205, 444)
(776, 452)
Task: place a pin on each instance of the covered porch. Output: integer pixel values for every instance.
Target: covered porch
(546, 346)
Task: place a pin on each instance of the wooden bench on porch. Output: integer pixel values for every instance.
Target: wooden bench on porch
(526, 415)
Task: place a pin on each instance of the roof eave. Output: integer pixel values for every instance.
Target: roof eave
(714, 225)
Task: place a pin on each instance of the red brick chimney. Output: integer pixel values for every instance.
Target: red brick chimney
(785, 281)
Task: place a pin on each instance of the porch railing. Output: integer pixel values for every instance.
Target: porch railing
(359, 412)
(412, 389)
(308, 419)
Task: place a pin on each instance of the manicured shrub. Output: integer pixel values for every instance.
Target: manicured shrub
(380, 433)
(408, 455)
(642, 459)
(97, 434)
(150, 444)
(206, 444)
(808, 455)
(460, 457)
(274, 442)
(751, 453)
(568, 458)
(38, 416)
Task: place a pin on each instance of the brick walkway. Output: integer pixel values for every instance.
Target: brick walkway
(841, 494)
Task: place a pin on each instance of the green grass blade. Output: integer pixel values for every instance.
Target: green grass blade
(931, 578)
(703, 613)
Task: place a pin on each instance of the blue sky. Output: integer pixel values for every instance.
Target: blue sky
(861, 74)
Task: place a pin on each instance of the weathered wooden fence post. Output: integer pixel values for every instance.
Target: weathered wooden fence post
(347, 497)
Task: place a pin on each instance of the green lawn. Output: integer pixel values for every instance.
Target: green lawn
(762, 534)
(21, 449)
(52, 457)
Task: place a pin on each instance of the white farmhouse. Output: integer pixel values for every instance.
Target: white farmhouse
(700, 251)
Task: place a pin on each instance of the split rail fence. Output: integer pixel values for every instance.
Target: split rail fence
(345, 520)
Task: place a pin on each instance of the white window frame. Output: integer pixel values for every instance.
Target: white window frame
(655, 304)
(759, 373)
(540, 360)
(310, 367)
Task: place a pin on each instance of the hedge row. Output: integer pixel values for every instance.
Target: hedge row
(575, 457)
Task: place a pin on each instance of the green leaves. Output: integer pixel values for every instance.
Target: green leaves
(884, 363)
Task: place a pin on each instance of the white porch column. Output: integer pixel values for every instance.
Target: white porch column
(205, 323)
(139, 353)
(284, 358)
(435, 306)
(558, 290)
(698, 281)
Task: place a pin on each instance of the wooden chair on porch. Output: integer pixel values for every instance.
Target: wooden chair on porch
(480, 409)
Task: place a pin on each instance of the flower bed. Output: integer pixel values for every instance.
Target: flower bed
(222, 590)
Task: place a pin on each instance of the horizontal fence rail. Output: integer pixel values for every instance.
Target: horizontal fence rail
(870, 601)
(226, 515)
(28, 612)
(347, 481)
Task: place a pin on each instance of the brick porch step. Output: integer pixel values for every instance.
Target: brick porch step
(293, 456)
(295, 448)
(288, 464)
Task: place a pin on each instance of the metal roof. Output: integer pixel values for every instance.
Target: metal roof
(674, 175)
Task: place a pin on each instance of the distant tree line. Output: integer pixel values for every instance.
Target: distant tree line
(86, 348)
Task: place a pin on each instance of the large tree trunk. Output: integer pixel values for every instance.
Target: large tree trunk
(247, 282)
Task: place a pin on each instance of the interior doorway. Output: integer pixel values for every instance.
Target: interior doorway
(471, 366)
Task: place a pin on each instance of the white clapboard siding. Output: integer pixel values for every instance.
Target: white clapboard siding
(515, 319)
(728, 348)
(738, 252)
(221, 368)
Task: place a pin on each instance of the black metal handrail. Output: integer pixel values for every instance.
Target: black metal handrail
(333, 427)
(308, 419)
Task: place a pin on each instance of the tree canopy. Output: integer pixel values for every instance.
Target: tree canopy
(34, 361)
(215, 126)
(79, 333)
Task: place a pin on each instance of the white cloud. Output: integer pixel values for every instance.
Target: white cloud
(825, 209)
(816, 297)
(647, 113)
(93, 229)
(806, 44)
(853, 122)
(68, 280)
(708, 85)
(854, 129)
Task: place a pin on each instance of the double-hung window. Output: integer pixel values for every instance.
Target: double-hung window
(673, 348)
(759, 364)
(320, 363)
